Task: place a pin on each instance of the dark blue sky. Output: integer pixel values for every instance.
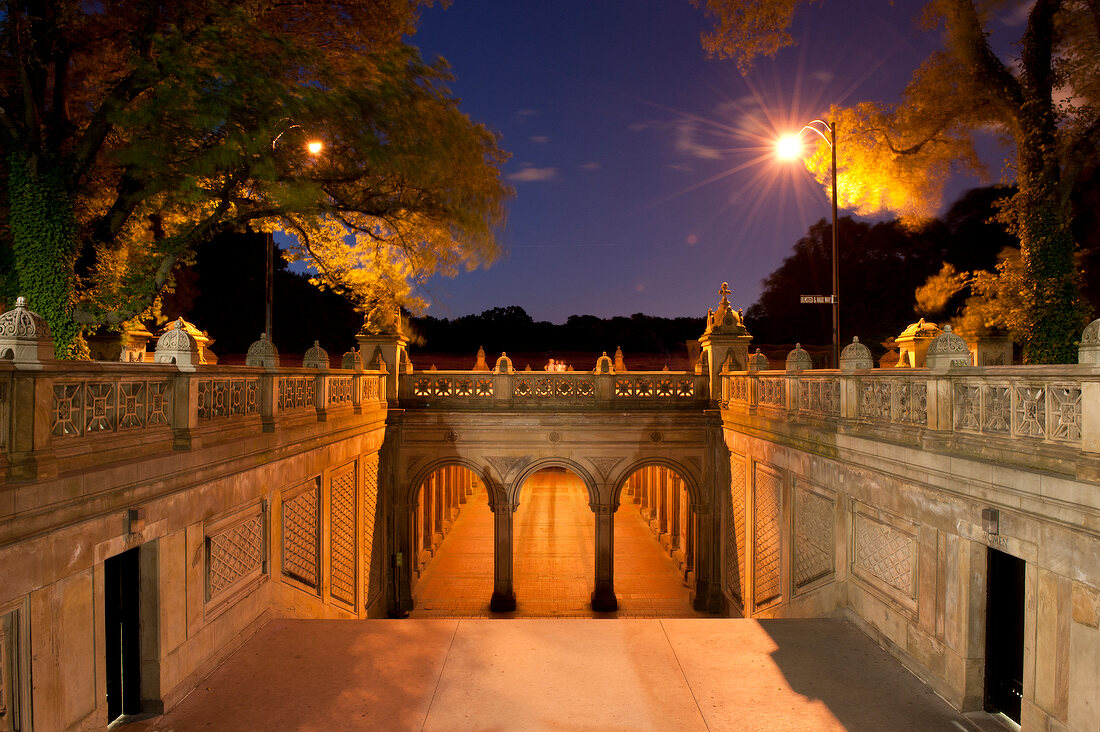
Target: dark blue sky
(644, 171)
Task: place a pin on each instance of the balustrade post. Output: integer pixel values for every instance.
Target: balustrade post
(504, 594)
(1090, 415)
(185, 411)
(30, 456)
(849, 396)
(940, 404)
(701, 595)
(269, 384)
(603, 594)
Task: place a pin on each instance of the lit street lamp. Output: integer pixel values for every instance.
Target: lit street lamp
(314, 148)
(789, 147)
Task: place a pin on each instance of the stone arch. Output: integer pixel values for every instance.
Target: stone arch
(573, 466)
(691, 480)
(492, 486)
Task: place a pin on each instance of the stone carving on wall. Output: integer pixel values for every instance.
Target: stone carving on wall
(884, 554)
(301, 536)
(295, 392)
(90, 407)
(505, 464)
(815, 536)
(372, 559)
(227, 398)
(767, 487)
(1066, 412)
(342, 545)
(234, 554)
(735, 531)
(605, 464)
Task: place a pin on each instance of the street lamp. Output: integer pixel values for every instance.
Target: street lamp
(314, 148)
(789, 147)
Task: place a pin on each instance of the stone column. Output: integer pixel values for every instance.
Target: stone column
(504, 594)
(437, 509)
(635, 486)
(701, 598)
(676, 487)
(463, 485)
(603, 596)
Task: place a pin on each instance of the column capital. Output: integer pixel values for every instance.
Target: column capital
(602, 508)
(700, 509)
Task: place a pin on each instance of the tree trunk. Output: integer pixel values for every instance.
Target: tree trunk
(44, 245)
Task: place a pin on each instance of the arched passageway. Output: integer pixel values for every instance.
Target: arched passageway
(554, 569)
(655, 543)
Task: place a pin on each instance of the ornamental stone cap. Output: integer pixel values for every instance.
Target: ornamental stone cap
(315, 358)
(1089, 350)
(604, 365)
(799, 359)
(725, 320)
(202, 340)
(504, 364)
(856, 356)
(480, 364)
(352, 360)
(25, 335)
(262, 353)
(947, 350)
(759, 362)
(919, 329)
(176, 345)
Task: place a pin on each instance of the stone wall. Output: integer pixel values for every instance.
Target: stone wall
(248, 494)
(863, 494)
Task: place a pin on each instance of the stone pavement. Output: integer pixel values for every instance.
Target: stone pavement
(569, 674)
(553, 560)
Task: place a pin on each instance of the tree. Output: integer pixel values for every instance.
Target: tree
(131, 131)
(897, 157)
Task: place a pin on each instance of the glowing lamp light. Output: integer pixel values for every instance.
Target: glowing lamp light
(789, 147)
(315, 147)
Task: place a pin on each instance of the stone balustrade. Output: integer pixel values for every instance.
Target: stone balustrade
(1017, 408)
(66, 415)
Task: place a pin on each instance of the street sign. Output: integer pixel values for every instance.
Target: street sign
(816, 299)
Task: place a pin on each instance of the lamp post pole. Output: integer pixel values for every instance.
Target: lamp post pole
(836, 260)
(269, 286)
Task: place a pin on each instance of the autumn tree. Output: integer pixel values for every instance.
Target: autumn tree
(896, 157)
(131, 131)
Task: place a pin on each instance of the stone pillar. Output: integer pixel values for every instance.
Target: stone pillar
(724, 344)
(381, 339)
(463, 485)
(635, 486)
(504, 594)
(683, 539)
(704, 559)
(674, 513)
(437, 509)
(662, 505)
(603, 595)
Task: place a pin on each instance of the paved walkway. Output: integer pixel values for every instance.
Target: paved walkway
(553, 560)
(576, 674)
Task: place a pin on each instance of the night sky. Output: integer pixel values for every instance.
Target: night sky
(644, 172)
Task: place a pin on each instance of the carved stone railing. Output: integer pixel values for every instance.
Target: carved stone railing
(65, 415)
(1028, 405)
(574, 390)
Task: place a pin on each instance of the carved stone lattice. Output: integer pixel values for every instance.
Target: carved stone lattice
(967, 407)
(300, 537)
(820, 395)
(339, 390)
(1030, 415)
(234, 553)
(342, 535)
(739, 388)
(1065, 407)
(996, 409)
(295, 392)
(884, 554)
(68, 409)
(735, 531)
(768, 551)
(158, 403)
(99, 407)
(5, 409)
(372, 564)
(131, 404)
(815, 535)
(875, 400)
(773, 392)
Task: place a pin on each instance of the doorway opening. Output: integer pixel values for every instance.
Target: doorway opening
(1004, 634)
(655, 545)
(121, 617)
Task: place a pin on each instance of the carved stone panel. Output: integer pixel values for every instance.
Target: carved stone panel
(234, 553)
(372, 553)
(735, 530)
(342, 544)
(815, 536)
(767, 523)
(884, 554)
(301, 535)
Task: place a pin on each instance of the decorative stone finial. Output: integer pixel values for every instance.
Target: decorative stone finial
(604, 365)
(725, 320)
(315, 358)
(620, 365)
(262, 353)
(481, 364)
(504, 364)
(1089, 350)
(759, 362)
(176, 345)
(947, 350)
(352, 360)
(856, 356)
(799, 359)
(25, 335)
(382, 320)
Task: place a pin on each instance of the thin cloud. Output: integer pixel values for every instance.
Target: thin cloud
(527, 112)
(540, 139)
(530, 173)
(686, 142)
(590, 165)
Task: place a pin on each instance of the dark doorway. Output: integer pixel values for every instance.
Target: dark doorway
(121, 580)
(1004, 635)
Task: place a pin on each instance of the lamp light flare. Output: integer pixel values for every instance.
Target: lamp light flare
(789, 147)
(315, 147)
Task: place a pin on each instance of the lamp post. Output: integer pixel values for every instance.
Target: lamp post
(314, 148)
(790, 146)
